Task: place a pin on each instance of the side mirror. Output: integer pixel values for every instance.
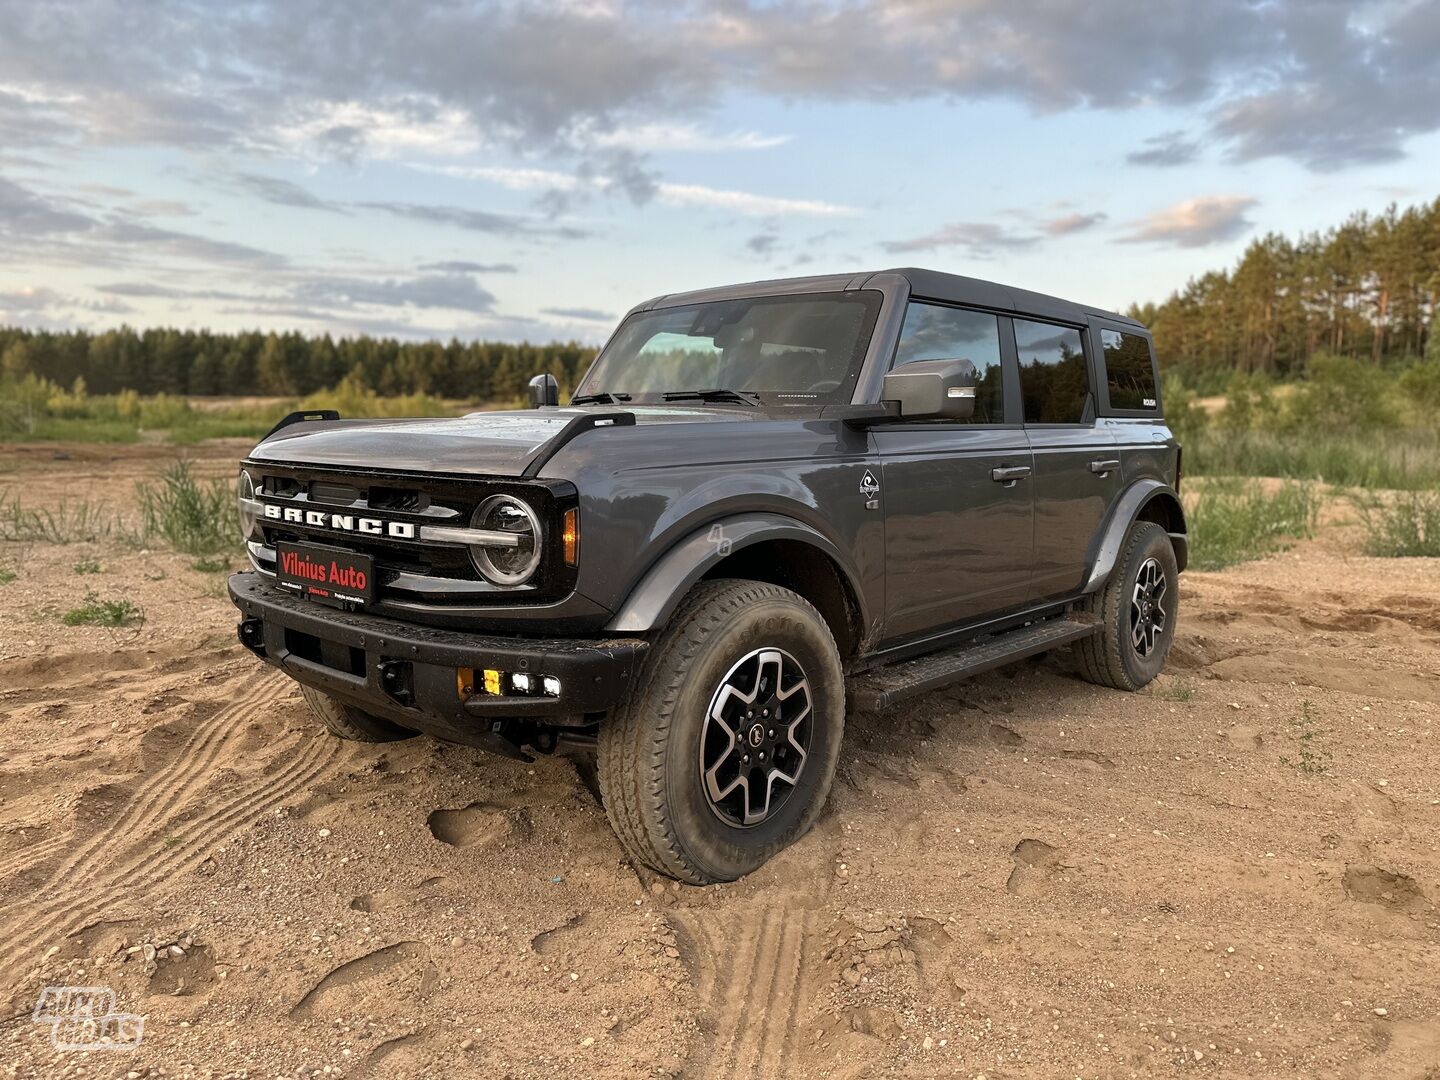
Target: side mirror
(544, 390)
(932, 390)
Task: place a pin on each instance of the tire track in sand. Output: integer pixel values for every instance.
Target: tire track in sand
(72, 908)
(187, 770)
(751, 987)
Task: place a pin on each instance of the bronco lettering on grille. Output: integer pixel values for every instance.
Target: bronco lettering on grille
(366, 526)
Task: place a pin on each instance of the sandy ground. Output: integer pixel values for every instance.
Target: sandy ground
(1232, 873)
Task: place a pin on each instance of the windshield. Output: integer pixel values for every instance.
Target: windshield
(778, 350)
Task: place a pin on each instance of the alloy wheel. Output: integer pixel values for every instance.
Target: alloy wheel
(1148, 619)
(756, 737)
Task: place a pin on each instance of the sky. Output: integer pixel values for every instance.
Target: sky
(531, 171)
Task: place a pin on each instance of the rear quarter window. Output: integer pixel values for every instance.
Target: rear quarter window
(1129, 372)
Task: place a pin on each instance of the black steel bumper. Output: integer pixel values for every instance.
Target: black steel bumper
(408, 673)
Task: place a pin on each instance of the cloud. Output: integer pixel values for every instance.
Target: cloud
(1073, 223)
(763, 244)
(582, 313)
(658, 137)
(475, 220)
(281, 192)
(978, 237)
(184, 245)
(745, 203)
(460, 266)
(453, 292)
(1196, 222)
(1167, 150)
(456, 292)
(23, 213)
(1327, 84)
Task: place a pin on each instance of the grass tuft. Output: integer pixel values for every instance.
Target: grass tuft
(1311, 758)
(1405, 524)
(1232, 521)
(86, 566)
(96, 612)
(69, 523)
(191, 515)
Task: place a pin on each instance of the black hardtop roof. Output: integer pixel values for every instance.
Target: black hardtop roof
(924, 284)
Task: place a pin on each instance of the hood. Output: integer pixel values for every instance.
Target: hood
(485, 443)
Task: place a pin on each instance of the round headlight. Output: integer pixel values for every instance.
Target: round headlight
(508, 564)
(249, 510)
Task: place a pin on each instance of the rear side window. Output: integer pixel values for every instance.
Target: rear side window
(1129, 371)
(932, 332)
(1053, 376)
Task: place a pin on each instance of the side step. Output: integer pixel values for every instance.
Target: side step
(883, 687)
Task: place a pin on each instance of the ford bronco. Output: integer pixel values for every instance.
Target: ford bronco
(764, 504)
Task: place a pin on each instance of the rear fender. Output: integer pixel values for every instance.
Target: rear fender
(1162, 499)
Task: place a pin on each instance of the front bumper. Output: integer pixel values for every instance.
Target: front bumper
(408, 673)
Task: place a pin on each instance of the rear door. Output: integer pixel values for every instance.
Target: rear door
(957, 538)
(1077, 460)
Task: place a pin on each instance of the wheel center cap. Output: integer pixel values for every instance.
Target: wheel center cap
(756, 735)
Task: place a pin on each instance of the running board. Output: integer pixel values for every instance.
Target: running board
(886, 686)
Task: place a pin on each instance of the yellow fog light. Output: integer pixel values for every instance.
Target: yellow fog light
(492, 682)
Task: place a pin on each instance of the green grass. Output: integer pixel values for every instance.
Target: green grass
(71, 522)
(1311, 758)
(86, 566)
(94, 611)
(1402, 459)
(212, 564)
(1233, 521)
(190, 515)
(7, 575)
(1406, 524)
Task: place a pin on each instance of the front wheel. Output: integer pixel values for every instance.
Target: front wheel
(724, 751)
(1137, 609)
(347, 722)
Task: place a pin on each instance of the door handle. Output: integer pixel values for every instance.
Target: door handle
(1008, 474)
(1105, 465)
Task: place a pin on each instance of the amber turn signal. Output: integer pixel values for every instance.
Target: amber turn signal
(570, 535)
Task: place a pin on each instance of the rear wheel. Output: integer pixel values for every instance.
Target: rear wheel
(1137, 610)
(348, 722)
(724, 751)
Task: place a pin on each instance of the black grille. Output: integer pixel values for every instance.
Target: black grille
(414, 570)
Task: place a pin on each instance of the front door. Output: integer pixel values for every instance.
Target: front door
(958, 534)
(1077, 461)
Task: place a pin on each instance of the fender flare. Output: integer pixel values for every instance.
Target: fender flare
(1126, 511)
(653, 599)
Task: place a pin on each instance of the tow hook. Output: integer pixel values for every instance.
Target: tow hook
(252, 635)
(396, 681)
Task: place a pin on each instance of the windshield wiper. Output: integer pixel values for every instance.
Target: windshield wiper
(741, 397)
(604, 397)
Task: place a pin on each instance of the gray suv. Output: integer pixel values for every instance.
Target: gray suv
(764, 504)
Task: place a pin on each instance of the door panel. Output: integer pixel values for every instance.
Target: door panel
(1071, 502)
(958, 543)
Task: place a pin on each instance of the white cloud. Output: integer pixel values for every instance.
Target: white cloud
(660, 137)
(408, 125)
(1195, 222)
(746, 203)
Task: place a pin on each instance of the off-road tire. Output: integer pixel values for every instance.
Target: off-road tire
(1109, 658)
(348, 722)
(649, 753)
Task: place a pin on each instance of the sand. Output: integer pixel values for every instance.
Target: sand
(1233, 872)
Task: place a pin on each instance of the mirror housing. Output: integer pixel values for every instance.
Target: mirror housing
(544, 390)
(932, 390)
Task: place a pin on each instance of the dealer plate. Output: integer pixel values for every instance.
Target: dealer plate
(329, 574)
